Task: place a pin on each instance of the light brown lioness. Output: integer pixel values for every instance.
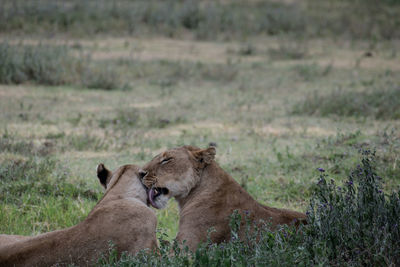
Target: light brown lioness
(121, 216)
(206, 195)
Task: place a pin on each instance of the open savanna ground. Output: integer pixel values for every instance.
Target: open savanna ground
(278, 107)
(275, 121)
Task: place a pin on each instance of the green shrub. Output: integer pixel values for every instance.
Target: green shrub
(351, 225)
(84, 142)
(53, 65)
(355, 19)
(124, 118)
(50, 65)
(102, 78)
(205, 20)
(383, 104)
(357, 223)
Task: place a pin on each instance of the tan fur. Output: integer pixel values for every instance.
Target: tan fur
(207, 195)
(10, 239)
(121, 217)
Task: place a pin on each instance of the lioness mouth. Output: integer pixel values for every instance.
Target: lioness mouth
(154, 192)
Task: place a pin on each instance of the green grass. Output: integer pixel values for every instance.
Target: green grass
(381, 104)
(277, 107)
(170, 18)
(36, 196)
(53, 65)
(271, 151)
(210, 20)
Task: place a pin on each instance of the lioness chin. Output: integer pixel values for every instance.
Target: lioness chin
(121, 217)
(206, 195)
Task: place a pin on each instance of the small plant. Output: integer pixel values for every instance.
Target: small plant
(383, 104)
(44, 64)
(355, 224)
(102, 78)
(210, 20)
(221, 72)
(124, 118)
(9, 143)
(85, 142)
(289, 48)
(53, 65)
(309, 72)
(247, 49)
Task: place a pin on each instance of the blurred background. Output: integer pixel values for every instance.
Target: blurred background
(281, 87)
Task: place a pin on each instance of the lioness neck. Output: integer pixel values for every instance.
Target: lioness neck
(214, 183)
(126, 188)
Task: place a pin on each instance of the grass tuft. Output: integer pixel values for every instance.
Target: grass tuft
(380, 104)
(37, 196)
(10, 144)
(53, 65)
(102, 78)
(289, 49)
(210, 20)
(39, 177)
(49, 65)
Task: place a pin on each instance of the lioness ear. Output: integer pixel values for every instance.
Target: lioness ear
(205, 155)
(103, 174)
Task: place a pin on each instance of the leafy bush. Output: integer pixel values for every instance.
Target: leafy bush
(205, 20)
(102, 78)
(356, 19)
(355, 224)
(380, 104)
(52, 65)
(352, 225)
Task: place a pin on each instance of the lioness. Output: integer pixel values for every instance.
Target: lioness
(206, 195)
(121, 216)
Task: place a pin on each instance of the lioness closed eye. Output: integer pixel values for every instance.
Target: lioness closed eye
(206, 194)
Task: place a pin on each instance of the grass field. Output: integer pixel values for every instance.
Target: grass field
(277, 106)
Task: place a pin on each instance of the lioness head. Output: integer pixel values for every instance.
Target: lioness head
(129, 175)
(174, 173)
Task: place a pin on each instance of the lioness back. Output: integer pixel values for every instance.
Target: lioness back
(121, 218)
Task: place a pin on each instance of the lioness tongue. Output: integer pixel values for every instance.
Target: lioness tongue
(151, 197)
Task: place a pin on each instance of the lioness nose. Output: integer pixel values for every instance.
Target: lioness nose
(142, 174)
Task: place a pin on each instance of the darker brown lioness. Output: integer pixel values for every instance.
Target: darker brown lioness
(206, 194)
(121, 217)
